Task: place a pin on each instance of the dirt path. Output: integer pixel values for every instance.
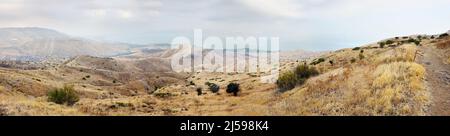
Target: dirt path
(437, 79)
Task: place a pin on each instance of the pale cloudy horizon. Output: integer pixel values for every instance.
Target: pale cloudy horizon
(300, 24)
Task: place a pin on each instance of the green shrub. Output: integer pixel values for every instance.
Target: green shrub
(304, 71)
(356, 48)
(361, 56)
(331, 62)
(65, 95)
(389, 42)
(353, 60)
(287, 81)
(233, 88)
(214, 88)
(321, 60)
(382, 44)
(417, 42)
(318, 61)
(443, 35)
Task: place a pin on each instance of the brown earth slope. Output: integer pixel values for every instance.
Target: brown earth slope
(435, 60)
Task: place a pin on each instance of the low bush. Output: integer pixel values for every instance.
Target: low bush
(287, 81)
(389, 42)
(214, 88)
(199, 91)
(443, 35)
(361, 56)
(353, 60)
(65, 95)
(304, 71)
(382, 44)
(318, 61)
(233, 88)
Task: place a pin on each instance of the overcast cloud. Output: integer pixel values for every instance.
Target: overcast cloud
(300, 24)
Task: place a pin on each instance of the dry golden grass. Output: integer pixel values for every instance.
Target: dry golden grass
(386, 83)
(399, 85)
(402, 53)
(19, 105)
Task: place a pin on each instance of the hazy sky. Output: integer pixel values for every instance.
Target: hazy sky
(300, 24)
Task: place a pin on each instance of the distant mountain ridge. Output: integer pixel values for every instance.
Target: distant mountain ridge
(42, 42)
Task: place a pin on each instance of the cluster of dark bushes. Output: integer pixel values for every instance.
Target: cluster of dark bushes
(301, 73)
(443, 35)
(214, 88)
(412, 40)
(356, 48)
(388, 42)
(317, 61)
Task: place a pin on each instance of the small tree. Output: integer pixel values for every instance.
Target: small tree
(233, 88)
(65, 95)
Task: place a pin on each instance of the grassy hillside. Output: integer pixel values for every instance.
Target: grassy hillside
(391, 77)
